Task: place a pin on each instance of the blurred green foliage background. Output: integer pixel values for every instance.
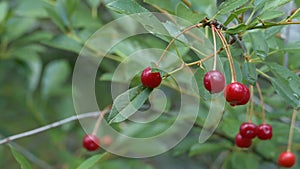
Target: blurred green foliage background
(40, 41)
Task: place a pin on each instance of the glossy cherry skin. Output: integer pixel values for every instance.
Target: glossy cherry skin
(264, 131)
(286, 159)
(246, 96)
(237, 94)
(248, 130)
(90, 142)
(150, 79)
(214, 81)
(242, 142)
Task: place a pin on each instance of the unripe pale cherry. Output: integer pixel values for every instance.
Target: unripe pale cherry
(214, 81)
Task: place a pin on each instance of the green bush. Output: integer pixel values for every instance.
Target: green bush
(40, 41)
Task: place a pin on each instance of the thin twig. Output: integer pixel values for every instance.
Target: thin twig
(187, 3)
(104, 111)
(226, 47)
(251, 103)
(173, 40)
(272, 25)
(291, 133)
(49, 126)
(215, 46)
(247, 113)
(204, 59)
(261, 102)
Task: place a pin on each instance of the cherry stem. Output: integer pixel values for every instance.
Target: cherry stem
(251, 104)
(215, 47)
(247, 113)
(226, 47)
(261, 102)
(173, 40)
(291, 134)
(198, 62)
(187, 3)
(98, 122)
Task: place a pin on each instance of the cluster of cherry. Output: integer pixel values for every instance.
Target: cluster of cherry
(249, 131)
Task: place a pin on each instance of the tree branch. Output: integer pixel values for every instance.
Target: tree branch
(49, 126)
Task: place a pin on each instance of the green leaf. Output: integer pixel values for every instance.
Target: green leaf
(297, 2)
(36, 37)
(65, 43)
(71, 6)
(268, 148)
(167, 5)
(184, 146)
(143, 16)
(237, 29)
(273, 4)
(285, 92)
(20, 26)
(241, 160)
(20, 158)
(185, 13)
(259, 43)
(83, 19)
(126, 7)
(199, 74)
(128, 103)
(230, 5)
(249, 73)
(34, 75)
(62, 12)
(236, 13)
(90, 162)
(55, 18)
(3, 10)
(292, 47)
(271, 14)
(230, 124)
(31, 8)
(107, 77)
(34, 64)
(56, 72)
(205, 148)
(286, 84)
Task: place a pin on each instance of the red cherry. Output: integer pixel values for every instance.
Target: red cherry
(214, 81)
(264, 131)
(246, 96)
(90, 142)
(242, 142)
(248, 130)
(286, 159)
(150, 79)
(237, 94)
